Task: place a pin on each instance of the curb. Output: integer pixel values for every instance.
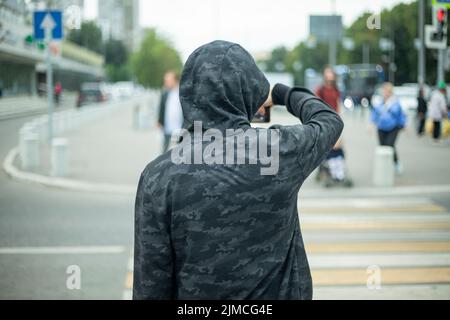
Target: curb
(62, 183)
(17, 115)
(122, 189)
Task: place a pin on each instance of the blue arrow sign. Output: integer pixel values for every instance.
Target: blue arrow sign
(50, 21)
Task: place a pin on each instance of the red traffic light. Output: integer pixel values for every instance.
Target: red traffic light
(441, 14)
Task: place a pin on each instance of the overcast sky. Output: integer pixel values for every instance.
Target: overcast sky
(258, 25)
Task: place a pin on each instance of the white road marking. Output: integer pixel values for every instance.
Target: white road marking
(128, 290)
(131, 263)
(64, 250)
(363, 202)
(408, 260)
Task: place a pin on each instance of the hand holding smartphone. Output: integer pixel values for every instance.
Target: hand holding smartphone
(263, 113)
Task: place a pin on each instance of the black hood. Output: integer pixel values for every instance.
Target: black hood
(222, 87)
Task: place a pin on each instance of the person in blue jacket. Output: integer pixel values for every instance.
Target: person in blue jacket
(389, 119)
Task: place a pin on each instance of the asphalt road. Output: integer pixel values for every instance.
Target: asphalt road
(33, 217)
(45, 231)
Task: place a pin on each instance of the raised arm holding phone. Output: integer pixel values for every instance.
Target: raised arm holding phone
(222, 230)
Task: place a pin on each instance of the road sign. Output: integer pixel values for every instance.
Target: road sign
(48, 26)
(431, 39)
(47, 21)
(443, 3)
(326, 28)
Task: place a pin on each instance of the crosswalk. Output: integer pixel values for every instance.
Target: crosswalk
(372, 248)
(377, 248)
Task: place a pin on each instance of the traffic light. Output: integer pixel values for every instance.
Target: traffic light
(436, 34)
(441, 24)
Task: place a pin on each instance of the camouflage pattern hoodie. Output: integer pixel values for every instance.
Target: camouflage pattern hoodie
(225, 231)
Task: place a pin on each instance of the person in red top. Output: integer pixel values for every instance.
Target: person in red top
(58, 92)
(328, 91)
(333, 170)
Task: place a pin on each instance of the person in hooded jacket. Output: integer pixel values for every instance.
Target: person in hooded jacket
(225, 231)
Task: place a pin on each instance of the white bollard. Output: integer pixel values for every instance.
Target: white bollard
(69, 120)
(42, 130)
(144, 118)
(383, 171)
(56, 124)
(76, 120)
(29, 149)
(60, 157)
(135, 119)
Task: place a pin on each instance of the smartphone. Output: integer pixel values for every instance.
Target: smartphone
(262, 116)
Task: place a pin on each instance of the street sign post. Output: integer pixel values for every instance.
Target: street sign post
(47, 26)
(48, 19)
(329, 29)
(436, 34)
(430, 40)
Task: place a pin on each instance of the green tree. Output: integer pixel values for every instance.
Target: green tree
(115, 52)
(116, 61)
(88, 36)
(277, 60)
(399, 24)
(155, 56)
(303, 57)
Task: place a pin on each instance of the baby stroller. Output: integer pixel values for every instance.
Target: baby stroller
(333, 171)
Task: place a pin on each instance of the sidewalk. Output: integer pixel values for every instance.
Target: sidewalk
(423, 163)
(111, 151)
(11, 107)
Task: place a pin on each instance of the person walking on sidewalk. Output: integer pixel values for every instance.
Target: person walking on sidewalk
(215, 230)
(170, 119)
(422, 109)
(329, 91)
(438, 110)
(58, 92)
(389, 119)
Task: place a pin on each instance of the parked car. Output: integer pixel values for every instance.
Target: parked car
(92, 92)
(125, 89)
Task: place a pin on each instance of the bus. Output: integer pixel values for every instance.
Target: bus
(359, 81)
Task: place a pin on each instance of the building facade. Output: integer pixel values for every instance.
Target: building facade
(119, 20)
(22, 59)
(17, 57)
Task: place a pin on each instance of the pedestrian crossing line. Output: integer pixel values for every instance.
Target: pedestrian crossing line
(378, 247)
(128, 284)
(370, 225)
(352, 209)
(388, 276)
(129, 280)
(364, 202)
(62, 250)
